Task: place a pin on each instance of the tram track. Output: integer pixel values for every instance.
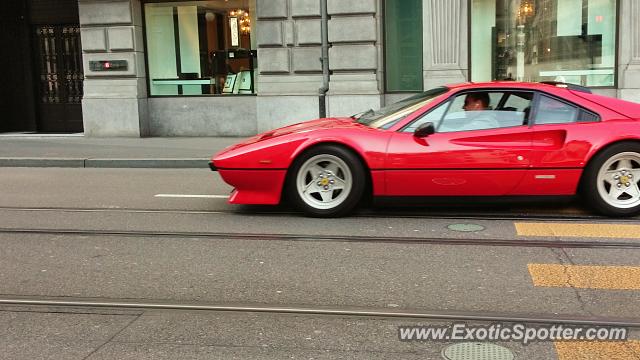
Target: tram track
(369, 312)
(475, 241)
(446, 215)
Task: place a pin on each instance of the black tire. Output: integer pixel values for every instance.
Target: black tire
(589, 186)
(352, 198)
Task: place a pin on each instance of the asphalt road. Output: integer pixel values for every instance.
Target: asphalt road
(105, 235)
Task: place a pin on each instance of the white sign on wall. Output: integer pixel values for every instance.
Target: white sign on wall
(233, 24)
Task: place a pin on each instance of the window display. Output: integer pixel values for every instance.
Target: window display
(201, 47)
(571, 41)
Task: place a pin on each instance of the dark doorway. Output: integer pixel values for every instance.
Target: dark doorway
(17, 90)
(42, 70)
(58, 60)
(57, 64)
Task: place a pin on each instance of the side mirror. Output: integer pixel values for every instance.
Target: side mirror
(424, 130)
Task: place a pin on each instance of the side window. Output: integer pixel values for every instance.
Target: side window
(552, 111)
(485, 110)
(434, 116)
(586, 116)
(518, 102)
(494, 99)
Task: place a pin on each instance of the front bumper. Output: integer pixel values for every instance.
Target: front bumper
(256, 187)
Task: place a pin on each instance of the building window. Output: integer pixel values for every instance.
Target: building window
(403, 45)
(571, 41)
(201, 47)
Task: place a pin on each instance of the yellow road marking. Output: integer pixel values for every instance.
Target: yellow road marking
(598, 350)
(579, 230)
(586, 277)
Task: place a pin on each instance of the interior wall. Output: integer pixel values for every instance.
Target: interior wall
(161, 48)
(189, 46)
(483, 19)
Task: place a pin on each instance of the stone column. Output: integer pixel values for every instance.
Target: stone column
(115, 102)
(629, 51)
(445, 42)
(289, 51)
(289, 67)
(354, 56)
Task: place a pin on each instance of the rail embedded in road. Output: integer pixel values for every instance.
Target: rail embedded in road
(325, 310)
(474, 241)
(405, 214)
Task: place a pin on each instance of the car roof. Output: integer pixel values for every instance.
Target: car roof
(507, 84)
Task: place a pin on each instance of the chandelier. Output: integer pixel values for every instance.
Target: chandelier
(526, 9)
(244, 22)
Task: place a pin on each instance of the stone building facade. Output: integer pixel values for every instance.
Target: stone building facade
(287, 37)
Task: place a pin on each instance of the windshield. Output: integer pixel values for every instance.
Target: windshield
(391, 114)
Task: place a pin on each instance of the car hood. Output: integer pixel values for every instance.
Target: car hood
(307, 126)
(277, 148)
(311, 125)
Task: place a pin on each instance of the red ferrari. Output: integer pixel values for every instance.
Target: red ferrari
(498, 139)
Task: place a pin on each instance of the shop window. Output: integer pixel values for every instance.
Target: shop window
(572, 41)
(403, 45)
(201, 47)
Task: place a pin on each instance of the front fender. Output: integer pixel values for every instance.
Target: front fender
(370, 148)
(267, 154)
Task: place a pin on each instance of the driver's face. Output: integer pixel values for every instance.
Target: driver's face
(471, 104)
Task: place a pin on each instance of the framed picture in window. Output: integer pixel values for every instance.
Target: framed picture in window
(229, 84)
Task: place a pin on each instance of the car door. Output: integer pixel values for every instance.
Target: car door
(482, 154)
(560, 144)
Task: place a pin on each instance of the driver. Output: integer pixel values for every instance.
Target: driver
(478, 115)
(477, 101)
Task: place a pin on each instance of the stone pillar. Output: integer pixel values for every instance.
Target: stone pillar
(289, 67)
(354, 56)
(289, 51)
(445, 42)
(115, 102)
(629, 51)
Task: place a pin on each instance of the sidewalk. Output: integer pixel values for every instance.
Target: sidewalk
(78, 151)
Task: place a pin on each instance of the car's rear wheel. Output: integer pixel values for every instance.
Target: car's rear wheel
(612, 180)
(326, 181)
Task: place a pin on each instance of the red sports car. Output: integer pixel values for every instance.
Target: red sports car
(498, 139)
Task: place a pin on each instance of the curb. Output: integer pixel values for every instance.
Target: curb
(42, 162)
(187, 163)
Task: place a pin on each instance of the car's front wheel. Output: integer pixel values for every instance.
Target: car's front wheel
(326, 181)
(612, 180)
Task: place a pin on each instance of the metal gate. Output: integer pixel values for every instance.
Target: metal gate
(58, 60)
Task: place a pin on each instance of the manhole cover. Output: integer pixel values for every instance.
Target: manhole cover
(465, 227)
(477, 351)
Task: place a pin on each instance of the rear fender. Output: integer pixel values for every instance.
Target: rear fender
(596, 150)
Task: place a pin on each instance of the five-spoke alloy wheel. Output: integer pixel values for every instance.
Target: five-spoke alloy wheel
(612, 183)
(326, 181)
